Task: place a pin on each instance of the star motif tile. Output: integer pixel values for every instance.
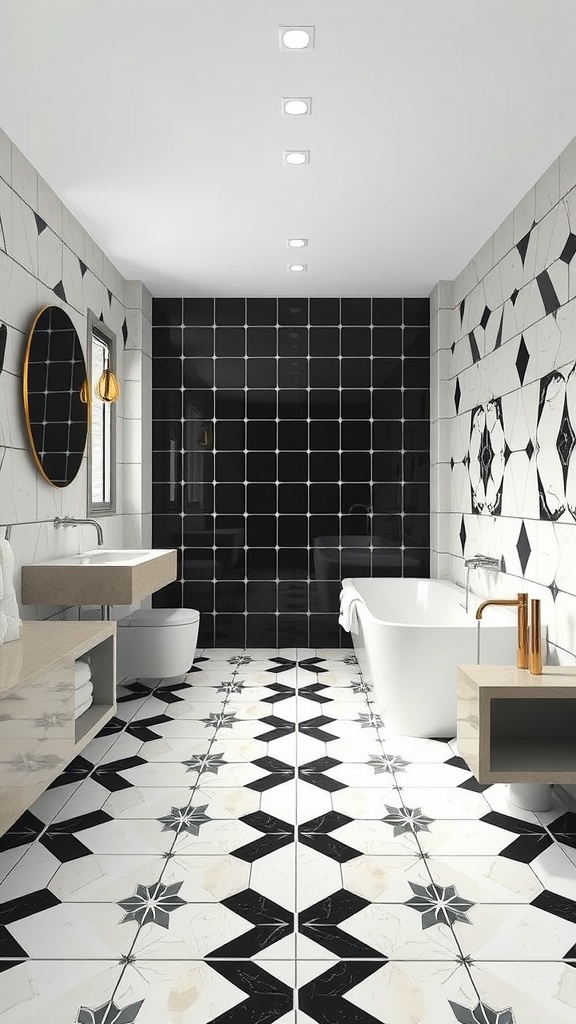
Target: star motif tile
(185, 819)
(152, 904)
(438, 904)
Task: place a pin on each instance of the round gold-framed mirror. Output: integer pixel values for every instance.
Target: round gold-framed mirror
(56, 396)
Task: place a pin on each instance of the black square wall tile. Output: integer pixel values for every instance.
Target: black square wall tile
(230, 403)
(262, 530)
(325, 434)
(292, 498)
(324, 404)
(324, 631)
(198, 341)
(292, 564)
(230, 435)
(417, 312)
(166, 498)
(292, 531)
(168, 597)
(324, 312)
(355, 403)
(166, 531)
(230, 372)
(230, 312)
(167, 312)
(387, 435)
(356, 312)
(166, 372)
(167, 341)
(199, 372)
(261, 341)
(166, 435)
(230, 630)
(386, 372)
(293, 404)
(293, 311)
(356, 341)
(197, 531)
(261, 373)
(230, 467)
(166, 404)
(230, 596)
(261, 403)
(261, 595)
(324, 466)
(199, 595)
(356, 372)
(293, 435)
(293, 596)
(230, 341)
(324, 530)
(324, 498)
(324, 372)
(167, 468)
(387, 341)
(416, 341)
(261, 564)
(356, 436)
(292, 630)
(261, 435)
(293, 466)
(230, 498)
(324, 341)
(206, 630)
(261, 498)
(416, 466)
(387, 532)
(293, 341)
(198, 564)
(416, 562)
(416, 530)
(198, 312)
(199, 406)
(416, 435)
(386, 312)
(387, 497)
(261, 630)
(417, 404)
(417, 498)
(261, 311)
(386, 404)
(416, 372)
(292, 372)
(229, 563)
(355, 466)
(261, 467)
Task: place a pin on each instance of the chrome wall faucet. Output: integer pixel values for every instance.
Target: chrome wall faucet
(483, 562)
(69, 521)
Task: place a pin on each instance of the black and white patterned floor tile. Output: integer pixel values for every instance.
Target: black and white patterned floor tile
(249, 844)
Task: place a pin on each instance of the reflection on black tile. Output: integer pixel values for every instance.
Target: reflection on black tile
(292, 458)
(168, 597)
(293, 311)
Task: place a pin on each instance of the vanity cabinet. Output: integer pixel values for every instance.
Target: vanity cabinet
(38, 733)
(517, 727)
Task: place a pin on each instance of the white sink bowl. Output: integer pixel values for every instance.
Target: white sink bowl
(106, 556)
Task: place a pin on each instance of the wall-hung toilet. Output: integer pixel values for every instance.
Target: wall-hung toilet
(155, 642)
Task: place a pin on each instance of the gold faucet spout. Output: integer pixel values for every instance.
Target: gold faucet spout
(520, 602)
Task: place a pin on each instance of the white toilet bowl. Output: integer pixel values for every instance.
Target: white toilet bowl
(155, 642)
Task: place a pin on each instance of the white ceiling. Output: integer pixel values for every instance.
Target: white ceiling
(158, 124)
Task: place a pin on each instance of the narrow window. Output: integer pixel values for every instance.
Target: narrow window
(101, 449)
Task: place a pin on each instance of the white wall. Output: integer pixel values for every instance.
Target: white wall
(503, 357)
(37, 256)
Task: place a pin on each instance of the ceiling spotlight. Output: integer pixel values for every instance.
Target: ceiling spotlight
(297, 243)
(296, 156)
(295, 106)
(296, 37)
(297, 268)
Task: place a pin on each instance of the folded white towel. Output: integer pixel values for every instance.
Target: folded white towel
(83, 693)
(82, 708)
(81, 673)
(8, 603)
(349, 598)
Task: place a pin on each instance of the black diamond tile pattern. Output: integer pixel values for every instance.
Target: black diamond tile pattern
(302, 441)
(548, 292)
(523, 547)
(3, 339)
(275, 912)
(569, 250)
(522, 359)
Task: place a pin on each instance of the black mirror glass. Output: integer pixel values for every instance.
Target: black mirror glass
(56, 396)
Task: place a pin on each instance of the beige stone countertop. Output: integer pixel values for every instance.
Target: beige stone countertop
(486, 676)
(43, 645)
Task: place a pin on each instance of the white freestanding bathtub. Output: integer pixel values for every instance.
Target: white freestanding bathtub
(412, 635)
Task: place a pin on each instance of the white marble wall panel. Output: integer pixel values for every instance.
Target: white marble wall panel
(547, 190)
(37, 259)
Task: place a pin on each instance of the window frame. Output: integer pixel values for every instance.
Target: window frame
(97, 329)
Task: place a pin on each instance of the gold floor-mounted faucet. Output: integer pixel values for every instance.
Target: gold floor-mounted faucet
(520, 602)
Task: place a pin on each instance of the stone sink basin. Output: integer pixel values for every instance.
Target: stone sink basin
(100, 576)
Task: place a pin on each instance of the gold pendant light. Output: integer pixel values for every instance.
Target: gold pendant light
(108, 386)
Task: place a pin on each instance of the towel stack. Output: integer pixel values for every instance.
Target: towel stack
(10, 621)
(83, 687)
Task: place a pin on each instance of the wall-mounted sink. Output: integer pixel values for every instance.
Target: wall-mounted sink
(100, 576)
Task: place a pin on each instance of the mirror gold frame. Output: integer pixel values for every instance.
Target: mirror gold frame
(56, 396)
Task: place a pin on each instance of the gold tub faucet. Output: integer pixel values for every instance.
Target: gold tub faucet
(520, 602)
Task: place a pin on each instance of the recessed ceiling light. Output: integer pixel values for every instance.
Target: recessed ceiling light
(297, 243)
(297, 268)
(296, 37)
(296, 156)
(296, 106)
